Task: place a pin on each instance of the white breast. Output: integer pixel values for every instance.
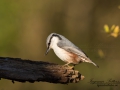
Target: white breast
(61, 53)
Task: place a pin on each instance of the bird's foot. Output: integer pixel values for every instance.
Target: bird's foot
(67, 65)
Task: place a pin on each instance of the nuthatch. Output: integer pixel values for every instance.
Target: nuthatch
(66, 50)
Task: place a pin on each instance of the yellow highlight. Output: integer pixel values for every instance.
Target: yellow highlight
(101, 53)
(115, 32)
(113, 27)
(106, 28)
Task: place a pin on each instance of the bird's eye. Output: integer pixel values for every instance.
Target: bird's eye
(48, 43)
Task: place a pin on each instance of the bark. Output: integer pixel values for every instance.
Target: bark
(17, 69)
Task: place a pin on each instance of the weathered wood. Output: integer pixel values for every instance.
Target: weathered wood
(17, 69)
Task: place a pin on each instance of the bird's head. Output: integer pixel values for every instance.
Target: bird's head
(52, 40)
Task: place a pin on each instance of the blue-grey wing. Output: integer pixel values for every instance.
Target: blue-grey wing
(70, 47)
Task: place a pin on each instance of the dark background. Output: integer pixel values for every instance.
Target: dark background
(25, 25)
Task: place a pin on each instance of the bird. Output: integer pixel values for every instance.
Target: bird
(66, 50)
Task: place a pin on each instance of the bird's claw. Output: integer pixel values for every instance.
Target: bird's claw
(67, 65)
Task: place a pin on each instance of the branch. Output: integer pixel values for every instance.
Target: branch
(17, 69)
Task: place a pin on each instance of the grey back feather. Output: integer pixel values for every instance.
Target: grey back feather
(69, 46)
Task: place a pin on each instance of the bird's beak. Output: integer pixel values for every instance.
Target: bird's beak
(48, 49)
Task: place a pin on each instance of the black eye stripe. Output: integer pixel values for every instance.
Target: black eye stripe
(57, 36)
(48, 44)
(52, 37)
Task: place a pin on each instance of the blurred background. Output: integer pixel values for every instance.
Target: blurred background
(92, 25)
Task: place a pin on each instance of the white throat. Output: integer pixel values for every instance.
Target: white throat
(54, 42)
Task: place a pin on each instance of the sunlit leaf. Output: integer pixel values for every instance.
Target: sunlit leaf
(101, 53)
(113, 27)
(106, 28)
(115, 32)
(114, 35)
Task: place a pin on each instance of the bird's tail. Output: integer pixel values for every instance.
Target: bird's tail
(84, 59)
(90, 61)
(94, 64)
